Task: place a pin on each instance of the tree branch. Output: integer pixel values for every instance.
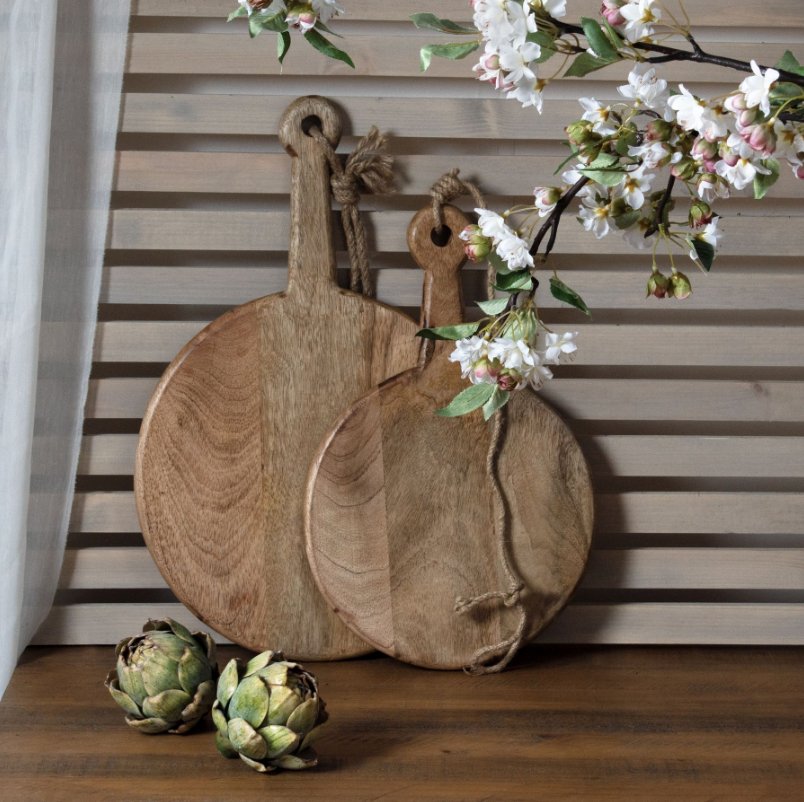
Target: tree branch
(676, 54)
(553, 219)
(659, 217)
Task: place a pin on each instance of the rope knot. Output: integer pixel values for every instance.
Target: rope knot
(345, 190)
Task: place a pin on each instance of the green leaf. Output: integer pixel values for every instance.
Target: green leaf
(614, 37)
(499, 398)
(604, 170)
(457, 332)
(541, 38)
(567, 295)
(627, 219)
(430, 22)
(704, 251)
(789, 63)
(282, 45)
(238, 12)
(454, 51)
(500, 266)
(514, 282)
(586, 63)
(762, 183)
(597, 39)
(467, 400)
(493, 306)
(326, 47)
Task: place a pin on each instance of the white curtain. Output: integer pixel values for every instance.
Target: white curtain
(61, 65)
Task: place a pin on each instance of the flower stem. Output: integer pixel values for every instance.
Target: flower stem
(551, 224)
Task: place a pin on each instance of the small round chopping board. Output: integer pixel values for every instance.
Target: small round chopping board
(400, 516)
(229, 434)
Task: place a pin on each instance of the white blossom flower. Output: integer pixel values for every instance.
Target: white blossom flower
(639, 16)
(516, 61)
(756, 87)
(522, 362)
(515, 252)
(595, 216)
(598, 114)
(634, 186)
(545, 199)
(651, 154)
(557, 9)
(710, 187)
(789, 141)
(645, 87)
(689, 109)
(711, 234)
(326, 9)
(529, 94)
(492, 224)
(469, 351)
(559, 345)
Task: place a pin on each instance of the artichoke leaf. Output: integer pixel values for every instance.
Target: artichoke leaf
(167, 705)
(122, 699)
(150, 726)
(250, 701)
(130, 680)
(260, 661)
(279, 740)
(313, 736)
(219, 720)
(180, 631)
(303, 718)
(256, 765)
(296, 762)
(227, 682)
(224, 745)
(201, 702)
(283, 702)
(246, 740)
(275, 674)
(193, 670)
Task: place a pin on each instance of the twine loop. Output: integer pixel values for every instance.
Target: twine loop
(369, 168)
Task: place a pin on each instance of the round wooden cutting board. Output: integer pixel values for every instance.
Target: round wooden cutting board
(400, 507)
(229, 434)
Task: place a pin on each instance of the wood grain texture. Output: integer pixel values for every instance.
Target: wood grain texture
(400, 518)
(228, 435)
(609, 725)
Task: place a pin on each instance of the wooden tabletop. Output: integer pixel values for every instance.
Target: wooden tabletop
(590, 723)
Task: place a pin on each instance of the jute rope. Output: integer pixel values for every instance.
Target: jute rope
(368, 167)
(446, 189)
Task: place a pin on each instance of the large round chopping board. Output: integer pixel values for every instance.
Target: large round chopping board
(229, 434)
(401, 508)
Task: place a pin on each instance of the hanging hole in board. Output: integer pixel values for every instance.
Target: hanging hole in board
(310, 122)
(441, 236)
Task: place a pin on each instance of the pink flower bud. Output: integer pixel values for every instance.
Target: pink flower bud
(680, 286)
(509, 380)
(477, 246)
(486, 372)
(700, 214)
(735, 103)
(659, 131)
(747, 117)
(610, 9)
(760, 137)
(684, 169)
(704, 150)
(657, 285)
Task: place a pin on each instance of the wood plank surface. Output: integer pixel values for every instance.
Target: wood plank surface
(669, 512)
(768, 623)
(589, 399)
(614, 569)
(598, 344)
(614, 724)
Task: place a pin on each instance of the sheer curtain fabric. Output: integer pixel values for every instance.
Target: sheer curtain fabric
(61, 66)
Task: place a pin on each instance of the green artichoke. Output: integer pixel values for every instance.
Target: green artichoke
(165, 677)
(268, 713)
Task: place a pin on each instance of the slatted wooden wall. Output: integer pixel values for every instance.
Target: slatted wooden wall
(690, 413)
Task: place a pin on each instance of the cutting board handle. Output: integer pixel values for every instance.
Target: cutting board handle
(442, 296)
(311, 258)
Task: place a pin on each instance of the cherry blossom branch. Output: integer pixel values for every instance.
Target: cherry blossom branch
(554, 218)
(698, 55)
(659, 217)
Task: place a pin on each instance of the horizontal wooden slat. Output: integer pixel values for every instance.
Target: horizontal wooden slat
(613, 569)
(589, 399)
(601, 288)
(269, 173)
(775, 13)
(603, 344)
(608, 455)
(180, 229)
(648, 623)
(387, 54)
(643, 512)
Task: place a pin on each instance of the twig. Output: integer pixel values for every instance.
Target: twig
(553, 219)
(659, 217)
(676, 54)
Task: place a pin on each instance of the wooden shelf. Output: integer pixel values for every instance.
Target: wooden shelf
(592, 723)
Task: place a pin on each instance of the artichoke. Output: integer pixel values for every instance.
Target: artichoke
(165, 677)
(268, 713)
